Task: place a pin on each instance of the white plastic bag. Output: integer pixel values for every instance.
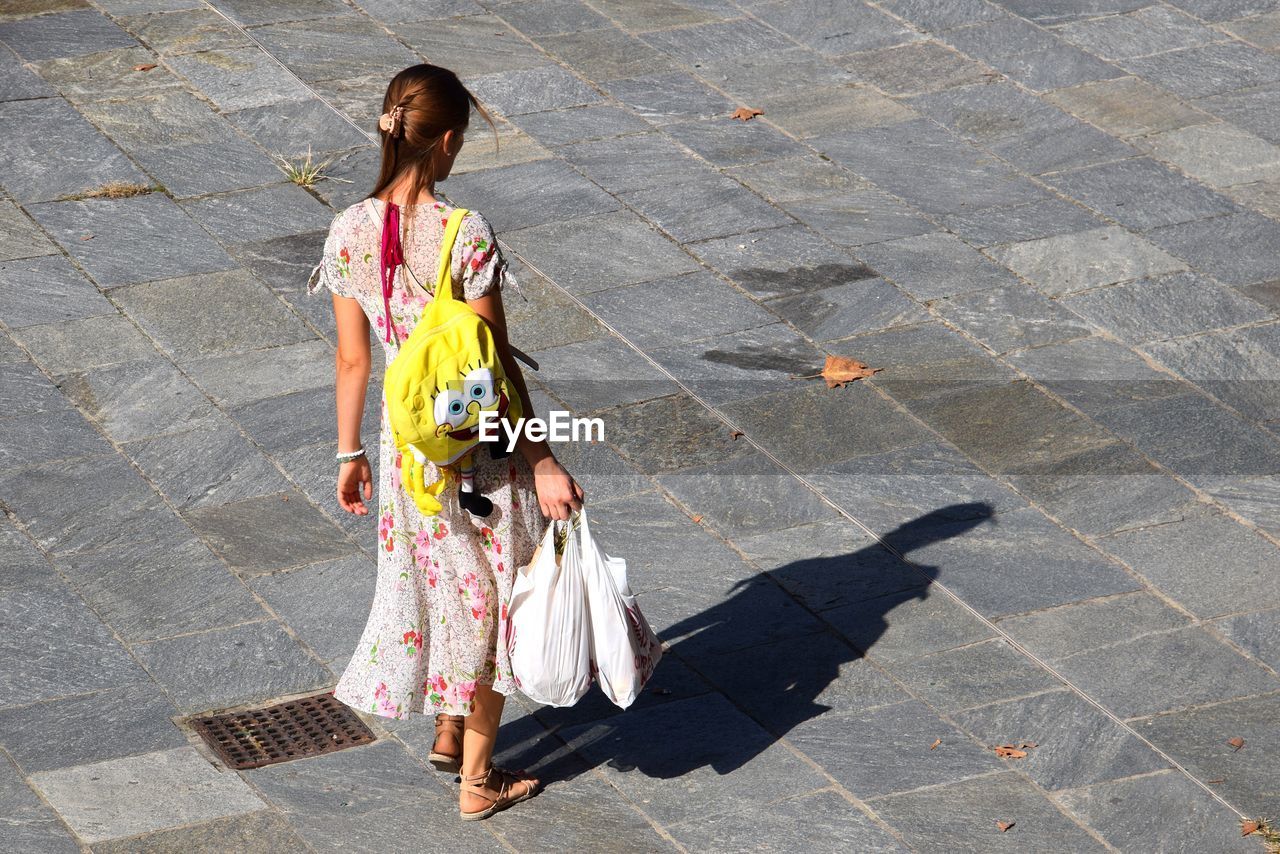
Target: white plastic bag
(548, 633)
(624, 649)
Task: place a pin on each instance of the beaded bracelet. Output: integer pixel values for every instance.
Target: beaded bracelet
(350, 455)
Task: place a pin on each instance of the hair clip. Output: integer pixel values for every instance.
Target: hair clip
(391, 122)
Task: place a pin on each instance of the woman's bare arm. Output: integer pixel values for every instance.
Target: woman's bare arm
(353, 364)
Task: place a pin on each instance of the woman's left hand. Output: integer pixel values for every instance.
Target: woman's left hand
(558, 493)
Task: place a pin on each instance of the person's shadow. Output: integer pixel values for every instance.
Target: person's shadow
(773, 658)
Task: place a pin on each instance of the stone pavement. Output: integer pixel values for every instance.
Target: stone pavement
(1052, 517)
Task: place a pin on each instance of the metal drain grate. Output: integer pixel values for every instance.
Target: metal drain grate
(310, 726)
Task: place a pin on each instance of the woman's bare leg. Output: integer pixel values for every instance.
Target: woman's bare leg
(478, 739)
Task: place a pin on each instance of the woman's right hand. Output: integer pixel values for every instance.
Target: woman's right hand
(558, 493)
(355, 478)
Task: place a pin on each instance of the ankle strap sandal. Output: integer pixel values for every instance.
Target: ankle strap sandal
(511, 788)
(449, 762)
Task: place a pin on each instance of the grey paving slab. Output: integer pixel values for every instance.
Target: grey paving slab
(1167, 307)
(547, 191)
(296, 127)
(1057, 633)
(1141, 194)
(905, 625)
(1181, 557)
(1160, 427)
(642, 15)
(56, 434)
(605, 54)
(1221, 155)
(1231, 246)
(321, 603)
(744, 496)
(1048, 218)
(705, 42)
(725, 142)
(1127, 106)
(581, 124)
(85, 504)
(77, 345)
(636, 253)
(471, 45)
(108, 74)
(19, 236)
(608, 374)
(1004, 35)
(159, 587)
(1012, 317)
(797, 178)
(1154, 29)
(1249, 109)
(248, 13)
(928, 15)
(30, 824)
(1194, 666)
(26, 391)
(18, 82)
(639, 432)
(705, 208)
(63, 648)
(838, 424)
(1260, 30)
(231, 666)
(372, 777)
(35, 172)
(238, 78)
(970, 676)
(785, 261)
(981, 565)
(1196, 821)
(928, 359)
(1055, 67)
(138, 399)
(263, 830)
(1208, 70)
(1253, 498)
(209, 465)
(1069, 263)
(663, 98)
(194, 170)
(69, 731)
(674, 310)
(858, 218)
(1198, 739)
(133, 240)
(740, 365)
(310, 468)
(549, 17)
(265, 533)
(929, 266)
(241, 378)
(790, 76)
(897, 70)
(1075, 744)
(66, 34)
(184, 31)
(1221, 10)
(962, 817)
(123, 797)
(890, 734)
(1257, 633)
(279, 211)
(195, 316)
(842, 311)
(854, 27)
(531, 90)
(300, 418)
(825, 815)
(1096, 374)
(317, 50)
(723, 759)
(45, 290)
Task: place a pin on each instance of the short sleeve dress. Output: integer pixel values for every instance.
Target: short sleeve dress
(439, 606)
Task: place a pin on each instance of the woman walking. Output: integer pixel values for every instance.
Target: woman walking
(431, 644)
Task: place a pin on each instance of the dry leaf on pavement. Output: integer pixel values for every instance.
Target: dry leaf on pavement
(1236, 742)
(1249, 826)
(746, 114)
(935, 744)
(144, 67)
(1005, 825)
(840, 370)
(1008, 751)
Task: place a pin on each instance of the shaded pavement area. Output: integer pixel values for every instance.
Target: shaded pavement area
(1050, 518)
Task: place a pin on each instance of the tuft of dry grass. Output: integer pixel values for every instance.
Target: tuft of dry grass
(1263, 828)
(113, 190)
(305, 172)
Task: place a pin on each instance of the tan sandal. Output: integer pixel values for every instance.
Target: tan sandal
(501, 797)
(452, 763)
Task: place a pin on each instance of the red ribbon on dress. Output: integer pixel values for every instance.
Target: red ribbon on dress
(392, 257)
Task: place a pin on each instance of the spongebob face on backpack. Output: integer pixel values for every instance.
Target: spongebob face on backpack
(457, 403)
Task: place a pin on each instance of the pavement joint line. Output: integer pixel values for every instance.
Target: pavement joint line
(804, 481)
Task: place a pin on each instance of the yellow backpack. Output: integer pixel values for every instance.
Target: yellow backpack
(445, 374)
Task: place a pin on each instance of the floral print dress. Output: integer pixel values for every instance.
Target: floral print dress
(439, 606)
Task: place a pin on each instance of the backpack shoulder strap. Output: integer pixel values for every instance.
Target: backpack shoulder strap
(444, 281)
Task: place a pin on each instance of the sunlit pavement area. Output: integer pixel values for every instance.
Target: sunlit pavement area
(1049, 521)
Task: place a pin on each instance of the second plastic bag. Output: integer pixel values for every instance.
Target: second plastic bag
(547, 630)
(624, 648)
